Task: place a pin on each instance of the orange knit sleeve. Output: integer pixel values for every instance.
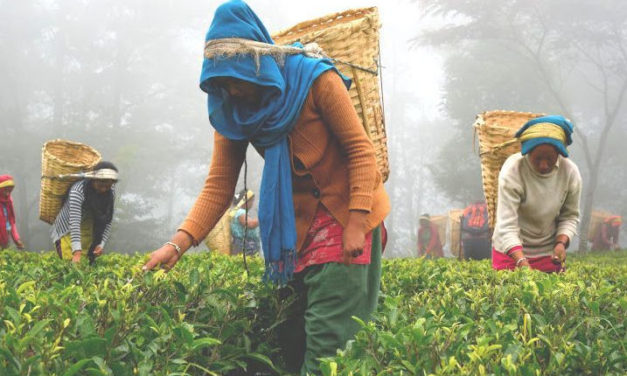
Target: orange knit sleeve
(215, 197)
(334, 104)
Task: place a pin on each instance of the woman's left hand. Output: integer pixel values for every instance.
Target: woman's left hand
(559, 254)
(98, 251)
(354, 236)
(19, 245)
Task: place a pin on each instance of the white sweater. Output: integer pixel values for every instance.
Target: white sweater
(533, 209)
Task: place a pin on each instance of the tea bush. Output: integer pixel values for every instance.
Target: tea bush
(208, 317)
(463, 318)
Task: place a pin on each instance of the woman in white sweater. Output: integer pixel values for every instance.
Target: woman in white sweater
(538, 199)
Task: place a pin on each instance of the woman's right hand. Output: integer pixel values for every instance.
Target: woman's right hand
(166, 256)
(524, 264)
(517, 255)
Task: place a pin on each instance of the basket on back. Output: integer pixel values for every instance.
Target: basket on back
(496, 131)
(352, 37)
(61, 157)
(454, 220)
(219, 239)
(596, 220)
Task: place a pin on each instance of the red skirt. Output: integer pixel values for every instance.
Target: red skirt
(323, 243)
(501, 261)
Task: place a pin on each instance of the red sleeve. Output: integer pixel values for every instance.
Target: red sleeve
(14, 233)
(420, 235)
(434, 242)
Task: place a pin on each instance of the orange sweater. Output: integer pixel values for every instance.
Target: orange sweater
(333, 163)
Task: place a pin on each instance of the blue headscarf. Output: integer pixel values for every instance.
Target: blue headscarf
(284, 90)
(529, 143)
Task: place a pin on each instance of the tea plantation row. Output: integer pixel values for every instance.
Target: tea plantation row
(207, 316)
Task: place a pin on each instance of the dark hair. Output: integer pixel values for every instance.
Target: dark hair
(105, 164)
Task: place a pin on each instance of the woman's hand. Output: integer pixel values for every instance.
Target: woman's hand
(76, 257)
(354, 236)
(98, 251)
(517, 255)
(19, 245)
(166, 257)
(559, 251)
(559, 254)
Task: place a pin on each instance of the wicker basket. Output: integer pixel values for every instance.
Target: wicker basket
(60, 157)
(454, 220)
(496, 131)
(219, 239)
(596, 219)
(352, 37)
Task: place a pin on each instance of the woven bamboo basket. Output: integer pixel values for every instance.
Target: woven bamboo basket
(60, 157)
(352, 37)
(496, 131)
(596, 219)
(219, 239)
(454, 220)
(440, 222)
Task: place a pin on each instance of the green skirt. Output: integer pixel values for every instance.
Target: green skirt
(325, 297)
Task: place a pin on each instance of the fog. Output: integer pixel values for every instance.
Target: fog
(122, 76)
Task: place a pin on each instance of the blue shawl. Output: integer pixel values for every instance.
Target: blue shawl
(284, 90)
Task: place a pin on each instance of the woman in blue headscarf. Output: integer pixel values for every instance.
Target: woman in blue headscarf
(538, 199)
(322, 201)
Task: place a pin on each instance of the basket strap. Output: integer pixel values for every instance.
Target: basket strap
(499, 146)
(64, 176)
(362, 102)
(230, 47)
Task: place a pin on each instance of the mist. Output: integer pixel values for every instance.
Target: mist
(122, 77)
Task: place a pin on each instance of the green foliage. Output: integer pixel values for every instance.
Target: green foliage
(449, 318)
(204, 317)
(207, 317)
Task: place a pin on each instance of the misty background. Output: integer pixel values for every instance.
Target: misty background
(122, 76)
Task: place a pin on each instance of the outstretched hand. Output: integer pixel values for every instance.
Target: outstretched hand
(166, 257)
(559, 254)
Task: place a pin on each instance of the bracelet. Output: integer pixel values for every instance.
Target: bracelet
(520, 260)
(178, 249)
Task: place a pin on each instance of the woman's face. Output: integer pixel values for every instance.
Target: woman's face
(102, 186)
(6, 191)
(240, 90)
(543, 158)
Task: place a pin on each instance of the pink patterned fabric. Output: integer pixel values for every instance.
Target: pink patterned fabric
(502, 261)
(323, 243)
